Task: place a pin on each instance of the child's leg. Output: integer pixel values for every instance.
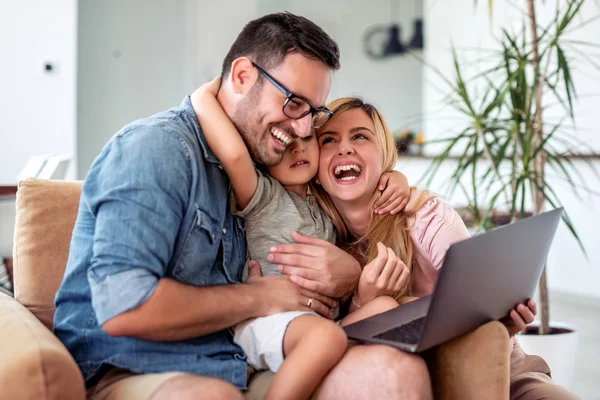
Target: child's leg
(376, 306)
(312, 345)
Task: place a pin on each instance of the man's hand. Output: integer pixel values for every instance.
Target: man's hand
(519, 317)
(317, 265)
(385, 275)
(396, 193)
(279, 294)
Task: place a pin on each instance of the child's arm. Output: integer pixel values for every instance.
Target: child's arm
(396, 193)
(225, 141)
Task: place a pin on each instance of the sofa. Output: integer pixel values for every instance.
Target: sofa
(35, 365)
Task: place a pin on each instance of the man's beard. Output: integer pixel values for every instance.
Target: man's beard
(246, 119)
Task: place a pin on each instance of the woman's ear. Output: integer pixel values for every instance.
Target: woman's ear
(243, 75)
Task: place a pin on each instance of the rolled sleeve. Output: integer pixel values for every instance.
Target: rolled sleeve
(137, 190)
(120, 292)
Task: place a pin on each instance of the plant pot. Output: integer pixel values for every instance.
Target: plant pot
(558, 349)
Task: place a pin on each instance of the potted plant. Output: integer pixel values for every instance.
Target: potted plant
(504, 149)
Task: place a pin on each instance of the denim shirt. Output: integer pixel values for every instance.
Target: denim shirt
(154, 205)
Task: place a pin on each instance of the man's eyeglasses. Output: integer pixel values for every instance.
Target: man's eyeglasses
(297, 107)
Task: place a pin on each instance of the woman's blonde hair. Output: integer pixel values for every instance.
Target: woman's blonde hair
(391, 230)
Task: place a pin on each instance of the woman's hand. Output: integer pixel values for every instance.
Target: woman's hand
(519, 317)
(386, 275)
(396, 193)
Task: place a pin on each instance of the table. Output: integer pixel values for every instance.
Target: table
(8, 191)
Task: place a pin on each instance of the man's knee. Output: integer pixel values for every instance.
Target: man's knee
(195, 387)
(407, 370)
(388, 372)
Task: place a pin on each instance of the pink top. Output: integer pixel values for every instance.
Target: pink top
(436, 227)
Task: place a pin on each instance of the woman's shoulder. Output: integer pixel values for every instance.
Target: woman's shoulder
(433, 218)
(423, 203)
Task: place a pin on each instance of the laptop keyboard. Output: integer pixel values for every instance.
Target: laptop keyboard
(409, 333)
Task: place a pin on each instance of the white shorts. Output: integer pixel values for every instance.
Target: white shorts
(262, 339)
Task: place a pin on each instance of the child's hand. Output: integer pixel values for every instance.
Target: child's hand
(206, 93)
(211, 87)
(396, 193)
(385, 275)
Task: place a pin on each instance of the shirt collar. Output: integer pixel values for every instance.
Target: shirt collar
(206, 151)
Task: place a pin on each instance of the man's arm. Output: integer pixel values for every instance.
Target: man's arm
(138, 206)
(225, 141)
(177, 311)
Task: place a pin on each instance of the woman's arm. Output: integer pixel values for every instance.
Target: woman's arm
(225, 141)
(436, 227)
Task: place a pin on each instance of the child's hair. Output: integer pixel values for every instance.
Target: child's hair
(391, 230)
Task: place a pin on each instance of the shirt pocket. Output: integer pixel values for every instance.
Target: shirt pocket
(199, 251)
(234, 257)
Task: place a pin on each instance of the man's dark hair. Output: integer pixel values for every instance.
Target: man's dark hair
(267, 40)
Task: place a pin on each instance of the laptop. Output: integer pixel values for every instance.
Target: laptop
(482, 279)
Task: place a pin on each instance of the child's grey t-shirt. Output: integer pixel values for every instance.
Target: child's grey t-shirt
(271, 216)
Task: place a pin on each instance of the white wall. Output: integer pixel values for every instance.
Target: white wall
(469, 27)
(135, 58)
(215, 37)
(37, 108)
(392, 84)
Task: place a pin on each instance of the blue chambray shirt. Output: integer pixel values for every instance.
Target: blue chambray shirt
(154, 205)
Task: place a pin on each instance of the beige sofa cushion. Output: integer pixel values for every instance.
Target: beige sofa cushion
(46, 212)
(34, 364)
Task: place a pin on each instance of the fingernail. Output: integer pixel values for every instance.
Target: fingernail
(381, 187)
(293, 278)
(270, 257)
(273, 249)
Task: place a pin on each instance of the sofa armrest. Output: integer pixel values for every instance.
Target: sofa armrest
(34, 364)
(473, 366)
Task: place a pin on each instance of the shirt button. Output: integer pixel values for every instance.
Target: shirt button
(220, 167)
(224, 231)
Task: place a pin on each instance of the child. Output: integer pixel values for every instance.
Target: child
(274, 205)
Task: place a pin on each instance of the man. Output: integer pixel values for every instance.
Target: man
(152, 282)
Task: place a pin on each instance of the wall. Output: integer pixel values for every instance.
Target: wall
(392, 84)
(470, 28)
(215, 37)
(135, 58)
(37, 108)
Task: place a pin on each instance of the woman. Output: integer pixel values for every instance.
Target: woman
(357, 136)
